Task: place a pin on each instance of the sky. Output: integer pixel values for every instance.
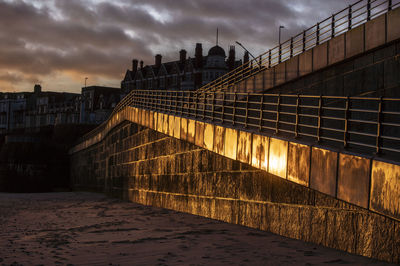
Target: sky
(57, 43)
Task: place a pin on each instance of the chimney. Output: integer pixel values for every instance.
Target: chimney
(158, 60)
(182, 56)
(37, 89)
(231, 58)
(141, 64)
(246, 57)
(134, 65)
(199, 56)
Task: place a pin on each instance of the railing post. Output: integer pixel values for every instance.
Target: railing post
(247, 110)
(260, 62)
(234, 109)
(319, 118)
(195, 105)
(212, 106)
(346, 122)
(280, 53)
(389, 5)
(182, 102)
(261, 113)
(269, 58)
(176, 103)
(278, 105)
(291, 47)
(333, 27)
(378, 127)
(369, 10)
(317, 34)
(304, 41)
(296, 127)
(350, 18)
(204, 105)
(223, 107)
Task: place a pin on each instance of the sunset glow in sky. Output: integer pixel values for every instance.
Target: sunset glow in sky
(58, 43)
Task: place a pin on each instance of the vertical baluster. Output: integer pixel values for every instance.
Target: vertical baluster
(346, 122)
(296, 127)
(234, 108)
(195, 105)
(350, 18)
(389, 5)
(278, 105)
(317, 34)
(280, 53)
(223, 107)
(269, 58)
(319, 118)
(260, 124)
(333, 27)
(369, 10)
(378, 127)
(247, 110)
(291, 47)
(204, 104)
(212, 106)
(304, 41)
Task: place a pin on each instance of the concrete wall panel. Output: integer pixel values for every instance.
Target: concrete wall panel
(177, 127)
(244, 147)
(259, 82)
(219, 138)
(165, 124)
(171, 125)
(280, 73)
(393, 22)
(191, 131)
(305, 62)
(292, 68)
(208, 136)
(336, 49)
(268, 78)
(385, 188)
(323, 171)
(278, 151)
(299, 163)
(199, 136)
(353, 179)
(184, 128)
(375, 33)
(230, 143)
(355, 41)
(155, 122)
(160, 122)
(320, 57)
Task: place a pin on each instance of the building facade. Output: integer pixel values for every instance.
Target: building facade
(183, 74)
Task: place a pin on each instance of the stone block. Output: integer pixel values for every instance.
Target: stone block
(230, 143)
(219, 139)
(291, 226)
(271, 219)
(251, 214)
(292, 68)
(375, 32)
(385, 188)
(353, 179)
(336, 49)
(171, 125)
(280, 73)
(396, 243)
(177, 127)
(306, 62)
(208, 136)
(393, 22)
(160, 122)
(244, 147)
(355, 41)
(191, 131)
(184, 128)
(199, 136)
(299, 163)
(278, 151)
(165, 124)
(259, 82)
(320, 56)
(269, 78)
(323, 171)
(223, 210)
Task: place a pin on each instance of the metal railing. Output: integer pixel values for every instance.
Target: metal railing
(367, 125)
(340, 22)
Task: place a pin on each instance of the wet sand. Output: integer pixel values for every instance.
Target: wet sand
(79, 228)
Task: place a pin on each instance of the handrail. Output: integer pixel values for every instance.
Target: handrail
(340, 22)
(365, 124)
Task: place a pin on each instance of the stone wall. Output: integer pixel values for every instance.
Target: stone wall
(145, 166)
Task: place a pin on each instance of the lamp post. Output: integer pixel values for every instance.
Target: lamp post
(280, 27)
(245, 49)
(85, 81)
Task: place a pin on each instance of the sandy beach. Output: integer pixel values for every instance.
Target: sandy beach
(79, 228)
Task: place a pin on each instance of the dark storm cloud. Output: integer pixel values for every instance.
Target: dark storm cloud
(100, 38)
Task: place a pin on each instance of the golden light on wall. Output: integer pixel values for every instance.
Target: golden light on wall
(278, 157)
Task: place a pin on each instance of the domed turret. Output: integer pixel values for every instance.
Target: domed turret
(216, 50)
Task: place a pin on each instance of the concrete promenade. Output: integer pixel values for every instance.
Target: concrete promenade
(77, 228)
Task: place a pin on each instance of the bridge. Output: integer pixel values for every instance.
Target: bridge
(309, 166)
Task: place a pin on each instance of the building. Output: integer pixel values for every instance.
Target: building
(183, 74)
(97, 103)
